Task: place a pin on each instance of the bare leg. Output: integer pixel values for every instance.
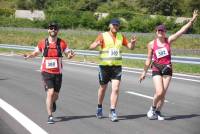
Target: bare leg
(115, 93)
(166, 81)
(55, 96)
(49, 101)
(158, 83)
(101, 93)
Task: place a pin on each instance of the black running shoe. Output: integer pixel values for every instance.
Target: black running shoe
(54, 107)
(50, 120)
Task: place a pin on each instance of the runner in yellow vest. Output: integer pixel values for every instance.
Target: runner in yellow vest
(110, 66)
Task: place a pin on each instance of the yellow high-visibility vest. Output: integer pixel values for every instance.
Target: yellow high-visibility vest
(111, 54)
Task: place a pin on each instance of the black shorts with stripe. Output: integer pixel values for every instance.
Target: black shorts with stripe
(108, 73)
(52, 81)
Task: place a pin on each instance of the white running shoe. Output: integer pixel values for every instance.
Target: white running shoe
(151, 114)
(160, 116)
(113, 116)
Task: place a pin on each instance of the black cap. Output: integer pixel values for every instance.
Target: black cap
(115, 22)
(53, 24)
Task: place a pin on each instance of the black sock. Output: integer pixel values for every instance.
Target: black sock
(157, 112)
(112, 110)
(99, 105)
(154, 108)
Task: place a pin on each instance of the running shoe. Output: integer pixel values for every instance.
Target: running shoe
(151, 114)
(99, 113)
(113, 116)
(160, 116)
(54, 107)
(50, 120)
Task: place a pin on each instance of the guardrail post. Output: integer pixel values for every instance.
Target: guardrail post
(12, 53)
(85, 58)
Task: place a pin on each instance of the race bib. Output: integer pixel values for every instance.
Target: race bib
(114, 52)
(51, 63)
(162, 52)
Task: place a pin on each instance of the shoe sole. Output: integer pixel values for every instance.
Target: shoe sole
(99, 117)
(50, 122)
(115, 120)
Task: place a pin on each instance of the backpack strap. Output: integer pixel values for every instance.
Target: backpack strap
(59, 51)
(45, 53)
(58, 47)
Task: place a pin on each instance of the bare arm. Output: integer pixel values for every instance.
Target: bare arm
(173, 37)
(131, 45)
(32, 55)
(95, 44)
(147, 62)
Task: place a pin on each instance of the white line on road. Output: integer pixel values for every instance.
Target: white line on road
(139, 71)
(186, 79)
(32, 127)
(141, 95)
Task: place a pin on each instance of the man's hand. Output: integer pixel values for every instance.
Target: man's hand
(133, 39)
(26, 56)
(70, 54)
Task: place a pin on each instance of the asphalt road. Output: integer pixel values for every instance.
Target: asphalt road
(21, 87)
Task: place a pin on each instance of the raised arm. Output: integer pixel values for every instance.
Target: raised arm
(147, 62)
(173, 37)
(131, 44)
(95, 44)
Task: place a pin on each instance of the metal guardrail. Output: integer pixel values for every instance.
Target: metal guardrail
(176, 59)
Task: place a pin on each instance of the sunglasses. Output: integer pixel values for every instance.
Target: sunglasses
(53, 28)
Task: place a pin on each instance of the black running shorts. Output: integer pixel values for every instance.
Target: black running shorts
(52, 81)
(107, 73)
(160, 73)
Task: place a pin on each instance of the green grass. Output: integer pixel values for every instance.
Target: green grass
(177, 67)
(7, 3)
(81, 39)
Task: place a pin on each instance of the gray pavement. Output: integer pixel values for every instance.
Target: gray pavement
(21, 87)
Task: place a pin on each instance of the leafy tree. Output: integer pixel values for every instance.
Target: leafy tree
(194, 4)
(164, 7)
(25, 4)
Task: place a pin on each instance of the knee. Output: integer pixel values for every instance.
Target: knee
(160, 94)
(50, 93)
(115, 90)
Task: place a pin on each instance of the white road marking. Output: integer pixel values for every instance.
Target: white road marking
(186, 79)
(141, 95)
(32, 127)
(139, 72)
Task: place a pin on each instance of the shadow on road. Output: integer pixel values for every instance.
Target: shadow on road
(177, 117)
(68, 118)
(3, 78)
(129, 117)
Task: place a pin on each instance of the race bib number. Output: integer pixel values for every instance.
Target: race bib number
(162, 52)
(114, 52)
(51, 63)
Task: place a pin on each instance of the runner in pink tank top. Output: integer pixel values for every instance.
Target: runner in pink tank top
(161, 55)
(159, 50)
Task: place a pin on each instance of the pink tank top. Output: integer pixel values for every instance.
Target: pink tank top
(161, 55)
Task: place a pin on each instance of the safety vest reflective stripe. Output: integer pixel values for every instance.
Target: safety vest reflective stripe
(102, 52)
(111, 53)
(112, 58)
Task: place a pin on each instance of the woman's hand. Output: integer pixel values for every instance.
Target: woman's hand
(142, 76)
(195, 14)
